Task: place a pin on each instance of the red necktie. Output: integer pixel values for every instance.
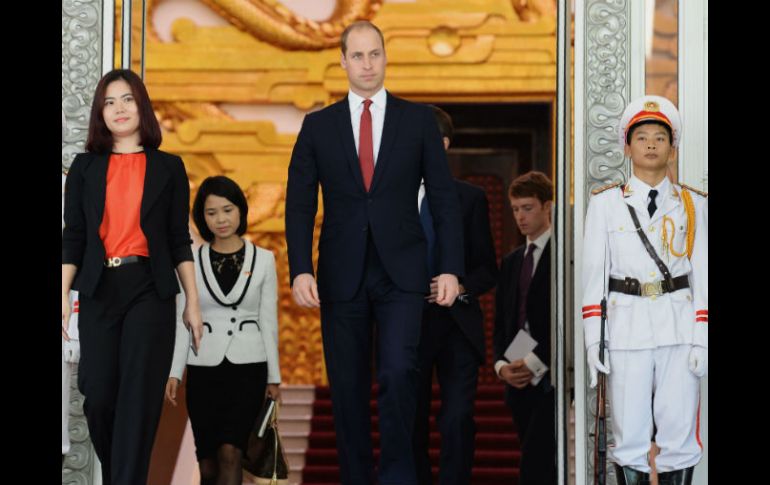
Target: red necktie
(365, 146)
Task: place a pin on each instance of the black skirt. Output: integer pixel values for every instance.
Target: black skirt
(223, 402)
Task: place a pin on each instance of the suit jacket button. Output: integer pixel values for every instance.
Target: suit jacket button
(229, 332)
(235, 307)
(232, 320)
(364, 229)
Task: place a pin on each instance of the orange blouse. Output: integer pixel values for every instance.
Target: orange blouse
(120, 230)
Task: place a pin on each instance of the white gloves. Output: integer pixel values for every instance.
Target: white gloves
(71, 350)
(698, 361)
(594, 365)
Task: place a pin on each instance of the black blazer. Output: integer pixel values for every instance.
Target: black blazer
(411, 149)
(480, 264)
(163, 219)
(538, 306)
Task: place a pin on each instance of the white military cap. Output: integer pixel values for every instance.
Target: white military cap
(649, 108)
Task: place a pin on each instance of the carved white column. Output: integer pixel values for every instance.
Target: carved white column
(81, 69)
(602, 88)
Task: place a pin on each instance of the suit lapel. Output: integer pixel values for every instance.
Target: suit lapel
(97, 181)
(393, 111)
(543, 268)
(155, 178)
(511, 299)
(345, 130)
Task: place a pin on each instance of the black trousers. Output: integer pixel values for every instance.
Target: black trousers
(534, 415)
(347, 330)
(126, 344)
(443, 345)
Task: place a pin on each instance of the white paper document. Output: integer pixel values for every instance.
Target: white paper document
(522, 345)
(521, 348)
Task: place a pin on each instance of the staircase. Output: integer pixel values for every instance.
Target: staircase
(497, 454)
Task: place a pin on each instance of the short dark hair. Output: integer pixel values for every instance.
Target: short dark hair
(99, 136)
(650, 122)
(444, 121)
(358, 24)
(223, 187)
(532, 184)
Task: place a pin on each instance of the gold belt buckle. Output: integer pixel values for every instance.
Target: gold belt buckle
(652, 289)
(113, 262)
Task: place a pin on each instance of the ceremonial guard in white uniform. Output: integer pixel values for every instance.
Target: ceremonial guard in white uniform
(646, 251)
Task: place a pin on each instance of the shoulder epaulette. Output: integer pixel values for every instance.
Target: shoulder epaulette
(606, 187)
(699, 192)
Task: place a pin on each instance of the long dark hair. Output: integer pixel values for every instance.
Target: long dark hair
(99, 136)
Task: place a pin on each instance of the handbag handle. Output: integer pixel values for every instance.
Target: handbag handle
(276, 443)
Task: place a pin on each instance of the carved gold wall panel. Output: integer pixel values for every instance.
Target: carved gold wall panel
(438, 50)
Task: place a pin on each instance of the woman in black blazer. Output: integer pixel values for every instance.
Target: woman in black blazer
(126, 231)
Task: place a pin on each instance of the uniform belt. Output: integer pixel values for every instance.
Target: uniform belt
(632, 286)
(116, 261)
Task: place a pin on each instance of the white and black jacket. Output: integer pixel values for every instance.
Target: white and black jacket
(242, 325)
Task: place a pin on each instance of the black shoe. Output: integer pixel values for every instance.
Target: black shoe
(676, 477)
(628, 476)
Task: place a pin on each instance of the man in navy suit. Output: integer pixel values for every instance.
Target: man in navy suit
(452, 339)
(369, 152)
(523, 304)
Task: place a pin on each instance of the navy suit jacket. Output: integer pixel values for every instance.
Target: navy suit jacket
(538, 309)
(480, 264)
(411, 149)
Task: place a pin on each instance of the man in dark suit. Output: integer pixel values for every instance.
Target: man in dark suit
(452, 338)
(523, 303)
(369, 152)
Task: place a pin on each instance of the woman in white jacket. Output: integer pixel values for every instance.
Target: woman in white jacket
(237, 364)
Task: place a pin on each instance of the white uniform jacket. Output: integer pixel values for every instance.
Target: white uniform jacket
(242, 325)
(612, 248)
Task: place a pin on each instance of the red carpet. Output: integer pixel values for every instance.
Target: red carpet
(497, 454)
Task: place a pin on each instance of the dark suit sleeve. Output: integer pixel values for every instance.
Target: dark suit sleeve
(73, 238)
(482, 274)
(180, 243)
(502, 292)
(301, 203)
(442, 197)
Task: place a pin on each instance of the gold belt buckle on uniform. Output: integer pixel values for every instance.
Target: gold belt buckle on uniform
(112, 262)
(652, 289)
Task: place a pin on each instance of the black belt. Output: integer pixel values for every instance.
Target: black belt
(631, 286)
(116, 261)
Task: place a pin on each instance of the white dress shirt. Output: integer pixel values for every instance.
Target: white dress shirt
(377, 108)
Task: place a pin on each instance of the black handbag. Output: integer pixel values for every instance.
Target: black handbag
(264, 456)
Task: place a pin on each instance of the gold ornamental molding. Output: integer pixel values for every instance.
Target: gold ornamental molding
(438, 48)
(271, 21)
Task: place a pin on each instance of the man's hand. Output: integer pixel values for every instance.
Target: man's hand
(305, 291)
(447, 289)
(698, 361)
(517, 374)
(594, 365)
(434, 290)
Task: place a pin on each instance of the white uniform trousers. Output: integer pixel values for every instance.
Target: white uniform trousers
(634, 376)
